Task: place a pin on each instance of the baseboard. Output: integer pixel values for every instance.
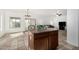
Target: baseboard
(72, 44)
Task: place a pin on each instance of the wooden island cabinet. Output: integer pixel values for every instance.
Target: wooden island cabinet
(43, 40)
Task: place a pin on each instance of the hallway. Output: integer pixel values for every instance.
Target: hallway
(63, 45)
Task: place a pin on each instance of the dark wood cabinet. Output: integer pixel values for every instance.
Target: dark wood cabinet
(43, 40)
(53, 40)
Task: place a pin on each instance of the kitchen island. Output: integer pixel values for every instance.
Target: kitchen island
(43, 40)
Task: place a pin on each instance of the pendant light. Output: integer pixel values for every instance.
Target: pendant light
(29, 19)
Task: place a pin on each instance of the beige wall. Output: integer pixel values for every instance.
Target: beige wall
(42, 16)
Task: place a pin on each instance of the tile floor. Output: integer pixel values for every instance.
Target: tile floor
(18, 41)
(63, 45)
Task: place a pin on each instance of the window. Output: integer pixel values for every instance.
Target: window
(15, 22)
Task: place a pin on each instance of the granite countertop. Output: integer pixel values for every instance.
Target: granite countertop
(46, 30)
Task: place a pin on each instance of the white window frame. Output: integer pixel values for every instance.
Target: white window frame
(15, 21)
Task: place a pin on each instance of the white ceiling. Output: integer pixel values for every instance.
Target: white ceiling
(37, 11)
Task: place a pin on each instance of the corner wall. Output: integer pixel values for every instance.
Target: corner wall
(2, 32)
(72, 27)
